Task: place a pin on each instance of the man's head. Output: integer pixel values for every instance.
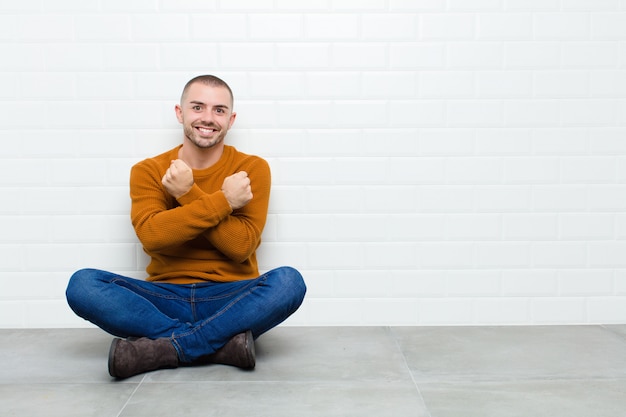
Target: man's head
(210, 80)
(206, 111)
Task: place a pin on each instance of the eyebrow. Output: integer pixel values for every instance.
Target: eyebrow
(194, 102)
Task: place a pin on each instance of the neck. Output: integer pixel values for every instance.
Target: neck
(198, 158)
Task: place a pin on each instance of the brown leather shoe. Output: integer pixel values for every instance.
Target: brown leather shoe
(239, 352)
(128, 358)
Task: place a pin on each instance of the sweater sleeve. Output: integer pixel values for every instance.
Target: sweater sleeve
(239, 234)
(159, 223)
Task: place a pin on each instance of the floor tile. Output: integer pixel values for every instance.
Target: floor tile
(571, 398)
(488, 353)
(311, 353)
(64, 400)
(54, 355)
(277, 399)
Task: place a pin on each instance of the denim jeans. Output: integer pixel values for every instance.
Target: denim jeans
(198, 318)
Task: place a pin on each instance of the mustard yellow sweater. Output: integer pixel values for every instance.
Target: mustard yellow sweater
(197, 237)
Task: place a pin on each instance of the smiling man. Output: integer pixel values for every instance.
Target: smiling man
(199, 211)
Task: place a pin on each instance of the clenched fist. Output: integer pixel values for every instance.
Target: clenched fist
(178, 178)
(237, 190)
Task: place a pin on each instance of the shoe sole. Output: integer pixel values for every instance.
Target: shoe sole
(112, 370)
(251, 350)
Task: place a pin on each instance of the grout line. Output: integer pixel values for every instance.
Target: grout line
(130, 397)
(406, 365)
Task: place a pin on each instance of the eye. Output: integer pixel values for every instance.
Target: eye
(219, 110)
(197, 108)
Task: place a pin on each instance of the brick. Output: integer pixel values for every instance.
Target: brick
(359, 171)
(366, 55)
(606, 310)
(331, 26)
(473, 170)
(475, 55)
(135, 57)
(587, 283)
(592, 55)
(275, 26)
(608, 83)
(586, 226)
(501, 311)
(509, 26)
(556, 84)
(608, 25)
(560, 141)
(501, 141)
(103, 27)
(530, 282)
(502, 254)
(45, 27)
(482, 113)
(607, 254)
(452, 84)
(589, 170)
(559, 254)
(417, 5)
(445, 310)
(389, 85)
(412, 227)
(413, 55)
(445, 255)
(532, 113)
(447, 26)
(434, 142)
(501, 84)
(414, 113)
(22, 57)
(303, 55)
(385, 199)
(531, 170)
(550, 310)
(389, 26)
(589, 112)
(566, 26)
(104, 86)
(47, 85)
(530, 226)
(535, 55)
(445, 199)
(497, 198)
(73, 57)
(559, 198)
(416, 171)
(360, 113)
(160, 27)
(229, 27)
(473, 227)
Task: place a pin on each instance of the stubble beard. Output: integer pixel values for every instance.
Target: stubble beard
(192, 135)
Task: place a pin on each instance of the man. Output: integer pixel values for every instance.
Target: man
(199, 211)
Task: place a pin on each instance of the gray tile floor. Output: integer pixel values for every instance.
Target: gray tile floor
(333, 371)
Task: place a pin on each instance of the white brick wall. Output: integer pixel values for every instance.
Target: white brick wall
(434, 161)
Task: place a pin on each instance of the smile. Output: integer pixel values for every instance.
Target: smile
(206, 130)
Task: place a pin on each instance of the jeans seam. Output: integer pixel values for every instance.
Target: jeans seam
(205, 322)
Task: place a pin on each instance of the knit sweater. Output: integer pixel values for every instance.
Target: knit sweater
(198, 237)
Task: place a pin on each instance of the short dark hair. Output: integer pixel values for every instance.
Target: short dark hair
(211, 80)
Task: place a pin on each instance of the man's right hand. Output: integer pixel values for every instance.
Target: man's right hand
(237, 190)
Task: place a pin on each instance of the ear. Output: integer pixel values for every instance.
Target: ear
(179, 113)
(233, 116)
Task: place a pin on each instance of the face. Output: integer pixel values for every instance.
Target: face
(206, 115)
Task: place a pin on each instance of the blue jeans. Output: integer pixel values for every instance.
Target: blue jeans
(197, 318)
